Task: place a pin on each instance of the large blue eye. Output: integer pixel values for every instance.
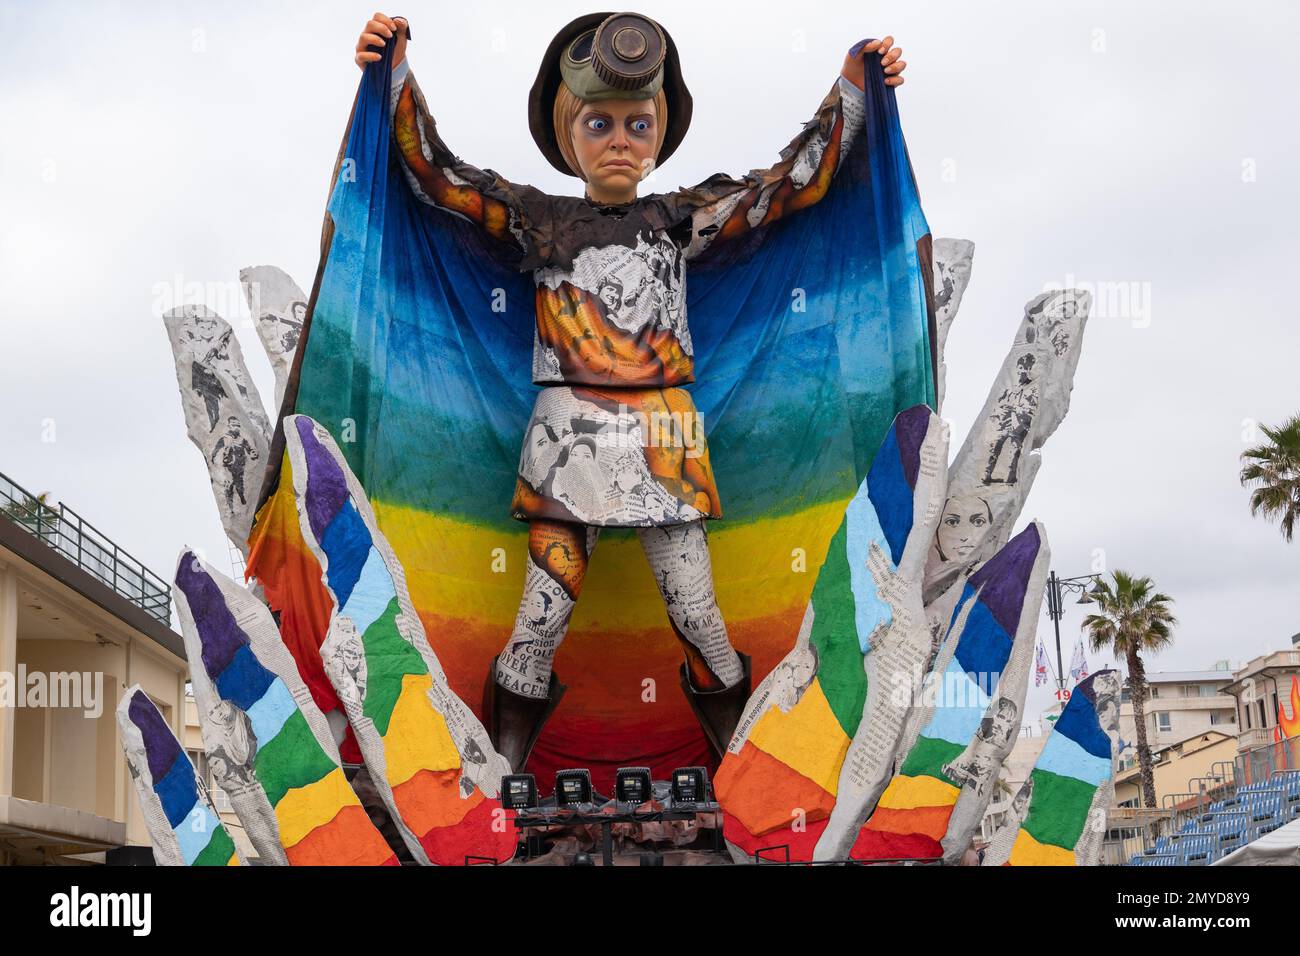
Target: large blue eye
(591, 124)
(640, 126)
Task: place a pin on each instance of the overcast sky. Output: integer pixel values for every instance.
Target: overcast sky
(1139, 149)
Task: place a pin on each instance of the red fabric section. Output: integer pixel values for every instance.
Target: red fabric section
(879, 845)
(801, 844)
(481, 833)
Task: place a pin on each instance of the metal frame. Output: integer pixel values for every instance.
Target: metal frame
(67, 532)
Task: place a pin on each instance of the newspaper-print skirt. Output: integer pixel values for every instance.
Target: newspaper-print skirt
(615, 458)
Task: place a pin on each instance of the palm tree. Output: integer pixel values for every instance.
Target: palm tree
(1132, 618)
(1272, 473)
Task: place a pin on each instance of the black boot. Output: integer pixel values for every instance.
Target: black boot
(515, 721)
(719, 711)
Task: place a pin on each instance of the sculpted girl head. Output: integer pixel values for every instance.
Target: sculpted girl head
(611, 144)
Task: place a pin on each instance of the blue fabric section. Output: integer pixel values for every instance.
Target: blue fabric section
(269, 713)
(178, 790)
(983, 646)
(891, 494)
(346, 543)
(1078, 721)
(244, 680)
(961, 707)
(1064, 757)
(870, 610)
(195, 832)
(372, 594)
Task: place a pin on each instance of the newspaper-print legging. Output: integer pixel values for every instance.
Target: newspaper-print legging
(558, 553)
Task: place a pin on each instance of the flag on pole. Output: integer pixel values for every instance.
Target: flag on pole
(1040, 665)
(1078, 665)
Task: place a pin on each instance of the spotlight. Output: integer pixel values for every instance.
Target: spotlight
(690, 785)
(632, 785)
(519, 791)
(572, 787)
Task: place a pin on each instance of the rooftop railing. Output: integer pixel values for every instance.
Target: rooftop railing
(87, 547)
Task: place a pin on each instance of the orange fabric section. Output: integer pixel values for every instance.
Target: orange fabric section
(926, 821)
(348, 840)
(432, 799)
(774, 805)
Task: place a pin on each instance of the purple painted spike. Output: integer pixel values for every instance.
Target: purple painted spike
(219, 634)
(1002, 582)
(160, 744)
(327, 489)
(910, 426)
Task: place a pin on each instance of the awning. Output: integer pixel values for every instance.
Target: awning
(1279, 848)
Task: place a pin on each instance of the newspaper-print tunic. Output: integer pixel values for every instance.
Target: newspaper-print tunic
(614, 439)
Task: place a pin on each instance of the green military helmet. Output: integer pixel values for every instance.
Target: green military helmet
(603, 56)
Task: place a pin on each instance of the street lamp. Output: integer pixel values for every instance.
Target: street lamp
(1057, 588)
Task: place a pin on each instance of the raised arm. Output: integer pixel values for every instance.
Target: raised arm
(436, 175)
(723, 207)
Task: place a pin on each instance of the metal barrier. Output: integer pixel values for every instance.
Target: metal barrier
(65, 531)
(1258, 765)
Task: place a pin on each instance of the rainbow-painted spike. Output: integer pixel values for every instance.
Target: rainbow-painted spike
(184, 829)
(982, 665)
(1072, 781)
(430, 758)
(268, 744)
(807, 750)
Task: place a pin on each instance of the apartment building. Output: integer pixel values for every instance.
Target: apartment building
(1180, 705)
(1262, 689)
(80, 621)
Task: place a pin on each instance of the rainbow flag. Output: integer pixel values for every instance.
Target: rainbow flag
(183, 827)
(428, 755)
(781, 779)
(964, 736)
(809, 338)
(1051, 821)
(269, 746)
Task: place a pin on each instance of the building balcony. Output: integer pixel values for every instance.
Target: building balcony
(76, 539)
(1250, 739)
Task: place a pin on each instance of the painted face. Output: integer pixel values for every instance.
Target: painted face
(614, 141)
(540, 451)
(962, 527)
(610, 295)
(1003, 725)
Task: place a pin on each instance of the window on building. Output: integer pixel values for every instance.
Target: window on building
(1208, 690)
(200, 761)
(1155, 690)
(1163, 723)
(1246, 711)
(1263, 715)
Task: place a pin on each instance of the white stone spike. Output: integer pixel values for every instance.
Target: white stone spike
(215, 388)
(278, 307)
(994, 471)
(952, 267)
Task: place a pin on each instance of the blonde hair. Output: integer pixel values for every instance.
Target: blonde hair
(567, 107)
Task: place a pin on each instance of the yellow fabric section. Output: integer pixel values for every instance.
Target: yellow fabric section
(808, 739)
(744, 556)
(234, 860)
(303, 809)
(908, 793)
(417, 737)
(1027, 851)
